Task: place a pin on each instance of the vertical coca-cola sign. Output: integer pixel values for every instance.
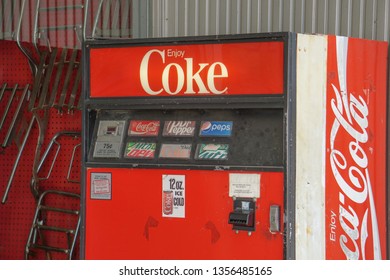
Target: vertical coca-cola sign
(356, 149)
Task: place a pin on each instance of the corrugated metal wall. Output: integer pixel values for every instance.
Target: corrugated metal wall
(62, 23)
(56, 23)
(354, 18)
(118, 18)
(166, 18)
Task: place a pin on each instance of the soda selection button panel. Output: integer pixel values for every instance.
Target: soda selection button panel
(193, 137)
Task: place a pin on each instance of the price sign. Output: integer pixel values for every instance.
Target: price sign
(173, 196)
(107, 150)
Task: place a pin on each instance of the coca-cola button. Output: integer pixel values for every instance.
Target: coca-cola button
(144, 128)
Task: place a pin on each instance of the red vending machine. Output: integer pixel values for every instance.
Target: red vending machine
(260, 146)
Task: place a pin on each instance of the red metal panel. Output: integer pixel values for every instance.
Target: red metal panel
(131, 224)
(356, 149)
(188, 70)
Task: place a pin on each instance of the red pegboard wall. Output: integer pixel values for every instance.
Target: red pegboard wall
(16, 214)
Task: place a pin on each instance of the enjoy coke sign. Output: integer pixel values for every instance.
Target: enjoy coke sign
(188, 70)
(187, 77)
(355, 170)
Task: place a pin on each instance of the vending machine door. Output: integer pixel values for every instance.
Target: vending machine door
(177, 214)
(185, 185)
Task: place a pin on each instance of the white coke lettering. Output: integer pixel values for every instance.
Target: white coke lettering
(141, 127)
(352, 173)
(188, 77)
(146, 127)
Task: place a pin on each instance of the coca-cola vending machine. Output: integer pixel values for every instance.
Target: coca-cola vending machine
(258, 146)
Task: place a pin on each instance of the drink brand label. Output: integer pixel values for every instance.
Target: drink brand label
(182, 151)
(179, 128)
(212, 151)
(216, 128)
(140, 150)
(144, 128)
(167, 202)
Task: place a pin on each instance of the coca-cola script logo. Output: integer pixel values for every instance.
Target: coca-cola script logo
(144, 128)
(350, 165)
(182, 75)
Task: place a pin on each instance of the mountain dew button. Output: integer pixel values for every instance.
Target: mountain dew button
(212, 151)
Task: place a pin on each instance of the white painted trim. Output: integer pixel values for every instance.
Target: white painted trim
(310, 146)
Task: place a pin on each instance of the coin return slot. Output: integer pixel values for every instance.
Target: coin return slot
(241, 219)
(243, 215)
